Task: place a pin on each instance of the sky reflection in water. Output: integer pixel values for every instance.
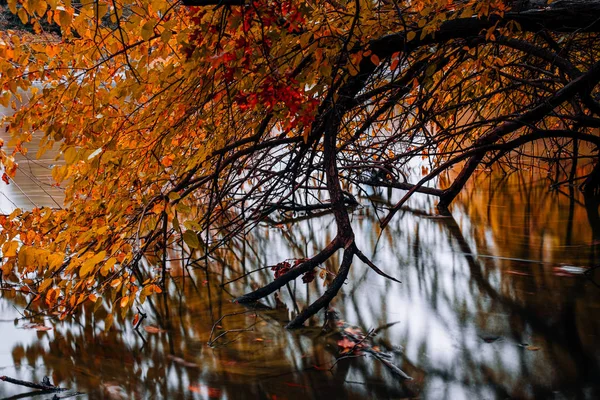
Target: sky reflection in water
(493, 304)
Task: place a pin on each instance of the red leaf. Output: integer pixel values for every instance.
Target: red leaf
(346, 344)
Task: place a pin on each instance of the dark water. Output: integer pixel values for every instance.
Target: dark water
(500, 301)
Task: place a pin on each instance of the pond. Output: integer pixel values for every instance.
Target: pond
(499, 301)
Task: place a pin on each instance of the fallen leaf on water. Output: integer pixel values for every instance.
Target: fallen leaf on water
(490, 338)
(533, 348)
(195, 389)
(294, 384)
(568, 270)
(114, 391)
(153, 329)
(511, 272)
(213, 393)
(182, 362)
(37, 327)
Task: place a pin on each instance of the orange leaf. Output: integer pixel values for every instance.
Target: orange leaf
(156, 289)
(153, 329)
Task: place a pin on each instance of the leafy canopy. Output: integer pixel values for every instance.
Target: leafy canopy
(187, 125)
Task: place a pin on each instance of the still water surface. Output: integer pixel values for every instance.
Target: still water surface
(499, 301)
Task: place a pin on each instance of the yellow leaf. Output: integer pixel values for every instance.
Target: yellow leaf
(64, 19)
(23, 16)
(191, 239)
(411, 35)
(10, 249)
(70, 155)
(45, 284)
(467, 13)
(146, 291)
(352, 69)
(41, 7)
(12, 6)
(108, 321)
(90, 263)
(86, 268)
(108, 266)
(124, 301)
(100, 9)
(148, 30)
(166, 35)
(99, 256)
(55, 260)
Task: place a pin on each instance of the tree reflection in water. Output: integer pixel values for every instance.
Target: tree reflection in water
(490, 306)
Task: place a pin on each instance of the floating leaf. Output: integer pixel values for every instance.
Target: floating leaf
(37, 327)
(153, 329)
(182, 362)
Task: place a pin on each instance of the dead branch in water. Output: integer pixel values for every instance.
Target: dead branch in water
(44, 385)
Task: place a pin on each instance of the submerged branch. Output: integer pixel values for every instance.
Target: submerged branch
(44, 385)
(330, 293)
(291, 274)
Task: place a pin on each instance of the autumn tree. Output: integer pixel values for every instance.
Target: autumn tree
(187, 124)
